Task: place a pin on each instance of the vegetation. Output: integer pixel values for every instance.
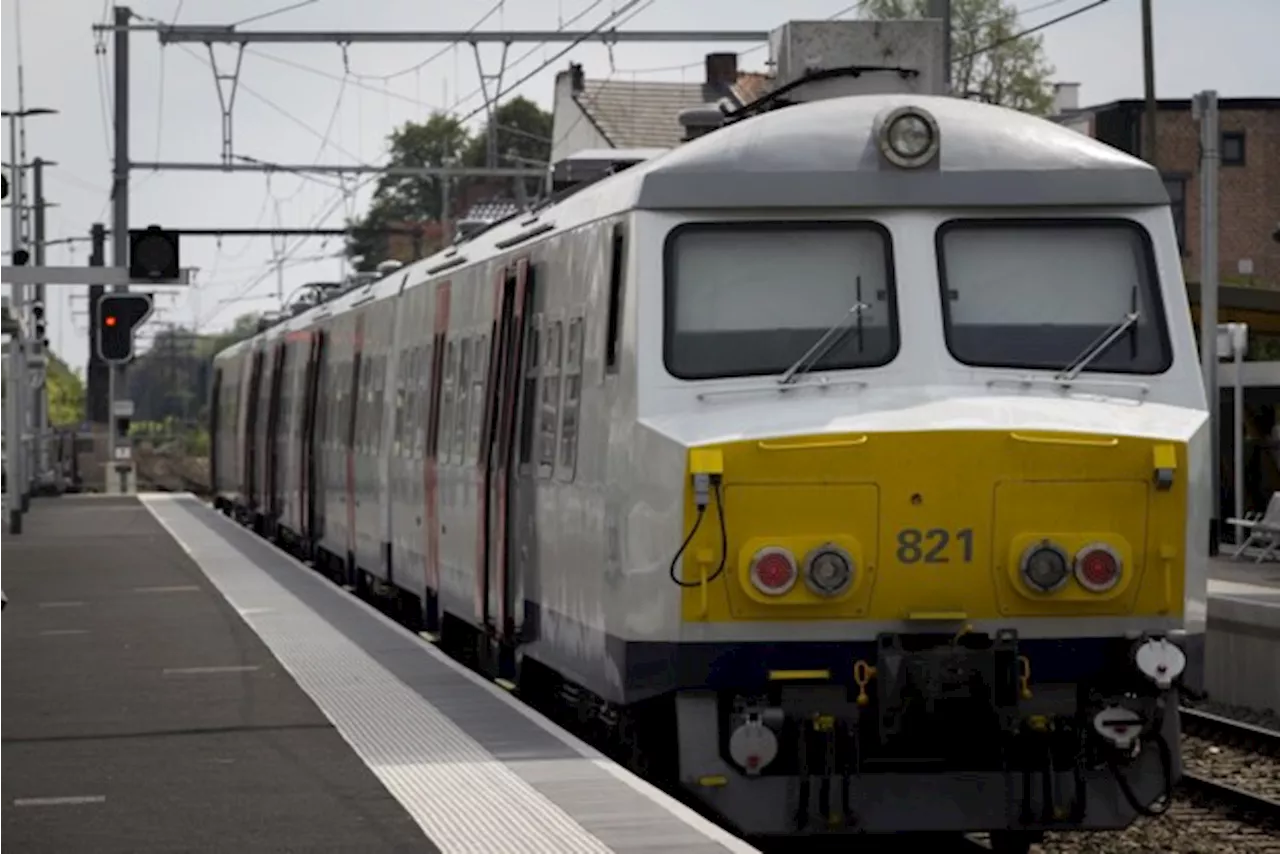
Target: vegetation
(170, 383)
(1013, 72)
(66, 393)
(523, 139)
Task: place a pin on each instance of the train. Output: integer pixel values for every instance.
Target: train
(847, 464)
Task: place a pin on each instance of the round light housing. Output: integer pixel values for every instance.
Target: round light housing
(1098, 567)
(828, 570)
(1045, 567)
(909, 137)
(773, 571)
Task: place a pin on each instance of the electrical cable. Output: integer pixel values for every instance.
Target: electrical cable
(439, 53)
(610, 18)
(1029, 31)
(530, 52)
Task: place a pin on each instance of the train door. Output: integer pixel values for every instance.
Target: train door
(349, 444)
(314, 417)
(272, 442)
(251, 434)
(215, 437)
(430, 458)
(504, 590)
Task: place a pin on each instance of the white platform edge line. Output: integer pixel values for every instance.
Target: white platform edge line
(380, 775)
(704, 826)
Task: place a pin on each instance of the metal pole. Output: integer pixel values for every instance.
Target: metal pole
(941, 9)
(1239, 341)
(1207, 110)
(119, 207)
(1149, 86)
(95, 369)
(41, 392)
(17, 379)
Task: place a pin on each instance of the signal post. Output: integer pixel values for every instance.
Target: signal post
(153, 259)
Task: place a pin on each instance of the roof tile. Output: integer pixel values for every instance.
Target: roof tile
(646, 114)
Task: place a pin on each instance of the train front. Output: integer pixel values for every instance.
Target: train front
(944, 453)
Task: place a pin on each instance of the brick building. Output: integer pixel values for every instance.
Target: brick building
(1248, 181)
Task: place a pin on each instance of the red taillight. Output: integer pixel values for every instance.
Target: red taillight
(773, 571)
(1097, 568)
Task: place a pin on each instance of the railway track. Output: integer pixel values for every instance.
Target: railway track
(1233, 762)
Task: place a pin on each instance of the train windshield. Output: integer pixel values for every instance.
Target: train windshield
(745, 299)
(1036, 294)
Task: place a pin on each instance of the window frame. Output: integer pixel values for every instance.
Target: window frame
(571, 369)
(669, 270)
(1156, 295)
(1234, 135)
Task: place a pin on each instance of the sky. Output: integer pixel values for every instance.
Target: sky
(321, 104)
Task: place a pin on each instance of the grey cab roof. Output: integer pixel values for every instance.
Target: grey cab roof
(825, 153)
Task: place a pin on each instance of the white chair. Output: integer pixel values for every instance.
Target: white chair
(1264, 530)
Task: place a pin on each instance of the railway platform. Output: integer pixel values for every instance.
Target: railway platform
(174, 683)
(1242, 638)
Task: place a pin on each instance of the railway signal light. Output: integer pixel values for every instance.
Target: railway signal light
(119, 315)
(37, 316)
(153, 254)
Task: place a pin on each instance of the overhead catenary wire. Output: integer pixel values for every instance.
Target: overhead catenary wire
(612, 18)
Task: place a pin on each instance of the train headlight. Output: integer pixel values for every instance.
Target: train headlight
(773, 571)
(909, 137)
(1045, 567)
(828, 571)
(1098, 567)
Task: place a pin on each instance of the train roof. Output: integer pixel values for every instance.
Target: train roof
(824, 154)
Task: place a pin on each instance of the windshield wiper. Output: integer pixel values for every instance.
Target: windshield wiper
(1098, 347)
(822, 345)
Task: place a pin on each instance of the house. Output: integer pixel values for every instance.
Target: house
(1248, 180)
(640, 114)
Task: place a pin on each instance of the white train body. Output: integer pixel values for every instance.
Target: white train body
(541, 505)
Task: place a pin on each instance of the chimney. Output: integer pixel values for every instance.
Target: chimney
(722, 71)
(575, 74)
(700, 121)
(1066, 97)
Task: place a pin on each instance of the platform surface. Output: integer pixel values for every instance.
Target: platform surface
(175, 683)
(141, 713)
(1242, 578)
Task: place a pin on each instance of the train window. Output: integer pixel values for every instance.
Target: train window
(751, 298)
(478, 378)
(1038, 293)
(444, 421)
(617, 269)
(529, 395)
(572, 398)
(550, 399)
(379, 402)
(464, 402)
(404, 364)
(413, 396)
(420, 410)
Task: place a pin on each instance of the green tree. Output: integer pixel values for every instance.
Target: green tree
(66, 393)
(986, 61)
(523, 139)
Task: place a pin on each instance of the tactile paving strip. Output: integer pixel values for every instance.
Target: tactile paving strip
(463, 798)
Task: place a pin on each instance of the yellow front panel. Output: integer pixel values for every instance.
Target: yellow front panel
(936, 522)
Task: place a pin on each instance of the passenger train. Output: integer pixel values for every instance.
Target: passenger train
(850, 460)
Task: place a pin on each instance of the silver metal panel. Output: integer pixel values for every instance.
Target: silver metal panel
(477, 770)
(824, 154)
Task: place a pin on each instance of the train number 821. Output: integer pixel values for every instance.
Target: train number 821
(936, 545)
